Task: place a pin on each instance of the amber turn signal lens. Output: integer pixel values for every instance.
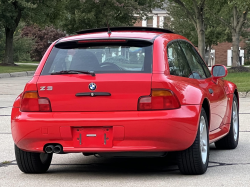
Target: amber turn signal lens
(159, 100)
(156, 93)
(30, 95)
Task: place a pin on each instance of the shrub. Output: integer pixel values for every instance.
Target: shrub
(22, 46)
(247, 62)
(42, 38)
(238, 69)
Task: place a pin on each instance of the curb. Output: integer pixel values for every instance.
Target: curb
(244, 94)
(17, 74)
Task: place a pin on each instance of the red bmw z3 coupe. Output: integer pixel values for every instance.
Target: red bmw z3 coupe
(133, 91)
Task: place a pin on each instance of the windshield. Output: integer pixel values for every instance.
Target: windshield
(105, 58)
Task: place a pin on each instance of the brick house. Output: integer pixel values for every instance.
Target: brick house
(223, 52)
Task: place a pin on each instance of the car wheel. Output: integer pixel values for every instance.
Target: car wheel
(29, 162)
(194, 160)
(230, 141)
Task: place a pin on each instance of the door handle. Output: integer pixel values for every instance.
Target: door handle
(210, 91)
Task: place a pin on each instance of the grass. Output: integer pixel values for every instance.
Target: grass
(241, 80)
(6, 162)
(19, 68)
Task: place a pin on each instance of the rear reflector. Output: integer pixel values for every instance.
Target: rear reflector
(159, 100)
(100, 41)
(32, 103)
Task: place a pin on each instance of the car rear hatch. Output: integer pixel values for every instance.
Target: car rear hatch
(120, 73)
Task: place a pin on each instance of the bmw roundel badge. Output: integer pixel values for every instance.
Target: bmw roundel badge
(92, 86)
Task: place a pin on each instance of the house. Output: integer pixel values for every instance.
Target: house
(154, 19)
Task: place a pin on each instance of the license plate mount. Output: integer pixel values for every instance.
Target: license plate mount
(93, 137)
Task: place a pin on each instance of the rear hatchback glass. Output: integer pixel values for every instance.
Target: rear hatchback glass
(100, 57)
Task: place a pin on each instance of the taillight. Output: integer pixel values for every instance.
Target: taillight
(31, 102)
(159, 100)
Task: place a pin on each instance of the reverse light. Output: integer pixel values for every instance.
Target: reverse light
(31, 102)
(159, 100)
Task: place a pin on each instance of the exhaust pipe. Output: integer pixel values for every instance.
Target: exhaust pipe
(49, 149)
(58, 149)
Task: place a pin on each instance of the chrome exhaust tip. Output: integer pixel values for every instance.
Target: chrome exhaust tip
(49, 149)
(58, 149)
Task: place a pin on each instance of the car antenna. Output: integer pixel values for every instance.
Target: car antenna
(109, 31)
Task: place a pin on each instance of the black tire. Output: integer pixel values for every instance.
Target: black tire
(29, 162)
(190, 160)
(228, 141)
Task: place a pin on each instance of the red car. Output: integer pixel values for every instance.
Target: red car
(127, 91)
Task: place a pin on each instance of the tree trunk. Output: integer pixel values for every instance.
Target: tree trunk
(201, 37)
(236, 44)
(9, 53)
(9, 35)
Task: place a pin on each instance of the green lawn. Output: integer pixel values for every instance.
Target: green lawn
(19, 68)
(242, 80)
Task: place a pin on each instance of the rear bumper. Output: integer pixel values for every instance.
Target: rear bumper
(165, 130)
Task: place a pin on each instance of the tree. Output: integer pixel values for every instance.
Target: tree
(87, 14)
(181, 24)
(194, 10)
(12, 11)
(234, 15)
(42, 39)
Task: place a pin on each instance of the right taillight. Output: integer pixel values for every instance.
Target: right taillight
(31, 102)
(159, 100)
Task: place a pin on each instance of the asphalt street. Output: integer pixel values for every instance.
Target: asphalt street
(226, 167)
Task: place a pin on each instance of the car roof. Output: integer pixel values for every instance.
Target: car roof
(144, 33)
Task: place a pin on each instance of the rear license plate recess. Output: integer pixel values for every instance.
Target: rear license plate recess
(93, 137)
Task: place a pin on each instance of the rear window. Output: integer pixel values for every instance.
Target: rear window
(125, 57)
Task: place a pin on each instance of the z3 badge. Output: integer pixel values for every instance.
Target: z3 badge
(42, 88)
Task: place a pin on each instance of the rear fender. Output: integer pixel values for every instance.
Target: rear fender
(230, 89)
(187, 92)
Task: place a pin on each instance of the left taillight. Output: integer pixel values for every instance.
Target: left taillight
(159, 100)
(31, 102)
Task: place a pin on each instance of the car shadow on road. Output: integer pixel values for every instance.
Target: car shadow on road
(119, 166)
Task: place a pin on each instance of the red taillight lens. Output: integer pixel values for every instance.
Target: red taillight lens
(159, 100)
(32, 103)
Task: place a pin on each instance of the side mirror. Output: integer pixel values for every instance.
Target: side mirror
(219, 71)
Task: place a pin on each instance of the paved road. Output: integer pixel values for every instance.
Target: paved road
(226, 167)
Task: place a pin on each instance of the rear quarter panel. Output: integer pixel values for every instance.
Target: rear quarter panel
(187, 90)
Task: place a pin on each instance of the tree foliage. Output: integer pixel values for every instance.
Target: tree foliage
(234, 15)
(12, 11)
(215, 19)
(195, 11)
(42, 39)
(86, 14)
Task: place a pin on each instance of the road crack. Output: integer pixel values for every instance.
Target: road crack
(226, 164)
(7, 163)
